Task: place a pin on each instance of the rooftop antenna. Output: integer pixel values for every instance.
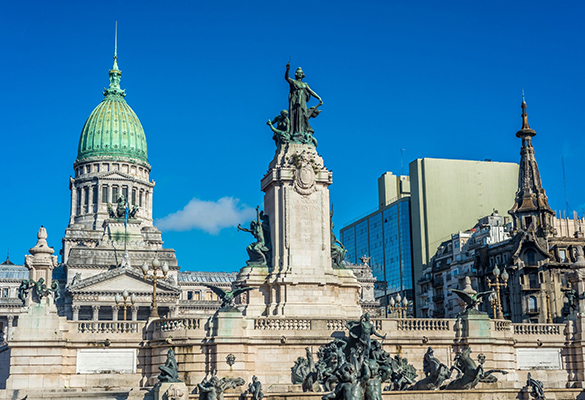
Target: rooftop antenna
(401, 162)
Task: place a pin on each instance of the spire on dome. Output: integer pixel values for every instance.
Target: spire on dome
(115, 74)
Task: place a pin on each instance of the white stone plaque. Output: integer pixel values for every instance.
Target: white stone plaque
(101, 361)
(539, 358)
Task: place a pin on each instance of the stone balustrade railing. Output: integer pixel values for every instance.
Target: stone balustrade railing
(293, 324)
(502, 325)
(424, 324)
(538, 329)
(175, 324)
(336, 324)
(107, 327)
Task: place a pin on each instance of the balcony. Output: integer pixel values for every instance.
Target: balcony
(533, 311)
(438, 281)
(440, 313)
(438, 298)
(531, 287)
(425, 279)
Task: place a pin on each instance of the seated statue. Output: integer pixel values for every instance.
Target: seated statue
(169, 371)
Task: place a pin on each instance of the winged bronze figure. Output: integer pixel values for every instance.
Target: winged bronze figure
(471, 299)
(227, 298)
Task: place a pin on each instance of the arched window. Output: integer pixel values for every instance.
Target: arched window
(531, 257)
(532, 304)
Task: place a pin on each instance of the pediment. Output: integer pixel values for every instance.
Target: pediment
(119, 279)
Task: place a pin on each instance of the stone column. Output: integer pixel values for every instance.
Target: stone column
(134, 313)
(115, 309)
(73, 200)
(9, 328)
(110, 199)
(75, 308)
(96, 312)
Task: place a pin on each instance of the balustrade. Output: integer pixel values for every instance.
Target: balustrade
(538, 329)
(174, 324)
(423, 324)
(107, 327)
(282, 324)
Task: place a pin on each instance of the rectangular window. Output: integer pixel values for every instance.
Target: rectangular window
(197, 296)
(86, 198)
(209, 296)
(95, 194)
(133, 196)
(189, 295)
(125, 192)
(114, 194)
(5, 292)
(563, 256)
(104, 194)
(140, 199)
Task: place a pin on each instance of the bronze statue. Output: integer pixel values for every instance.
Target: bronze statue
(258, 251)
(338, 251)
(361, 331)
(299, 95)
(349, 387)
(213, 388)
(282, 130)
(435, 373)
(471, 299)
(170, 371)
(255, 389)
(227, 298)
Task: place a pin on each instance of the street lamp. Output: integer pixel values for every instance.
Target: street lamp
(497, 285)
(399, 304)
(154, 277)
(125, 297)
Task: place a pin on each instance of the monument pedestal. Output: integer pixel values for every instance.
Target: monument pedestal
(171, 391)
(300, 280)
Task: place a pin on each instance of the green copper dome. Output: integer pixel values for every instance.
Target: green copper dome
(113, 131)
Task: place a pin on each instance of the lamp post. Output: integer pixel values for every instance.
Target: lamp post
(154, 277)
(497, 285)
(125, 296)
(399, 304)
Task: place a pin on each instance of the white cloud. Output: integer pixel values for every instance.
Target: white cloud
(208, 216)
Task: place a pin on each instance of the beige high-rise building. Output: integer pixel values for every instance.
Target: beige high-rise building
(451, 195)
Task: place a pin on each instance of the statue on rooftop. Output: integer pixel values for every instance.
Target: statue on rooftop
(259, 250)
(170, 371)
(299, 95)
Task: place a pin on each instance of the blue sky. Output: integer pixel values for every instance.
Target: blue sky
(438, 79)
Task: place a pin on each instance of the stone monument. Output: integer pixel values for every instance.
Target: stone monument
(300, 278)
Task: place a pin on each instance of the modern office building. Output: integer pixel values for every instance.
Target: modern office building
(417, 213)
(384, 236)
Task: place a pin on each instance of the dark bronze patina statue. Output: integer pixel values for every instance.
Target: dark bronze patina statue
(170, 371)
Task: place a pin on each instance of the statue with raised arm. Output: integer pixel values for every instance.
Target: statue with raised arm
(258, 251)
(361, 332)
(299, 95)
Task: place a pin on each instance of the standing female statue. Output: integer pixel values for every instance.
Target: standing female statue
(298, 97)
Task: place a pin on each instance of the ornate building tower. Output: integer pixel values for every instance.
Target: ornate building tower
(111, 233)
(531, 209)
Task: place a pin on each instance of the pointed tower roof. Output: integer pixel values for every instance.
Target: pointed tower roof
(113, 130)
(530, 197)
